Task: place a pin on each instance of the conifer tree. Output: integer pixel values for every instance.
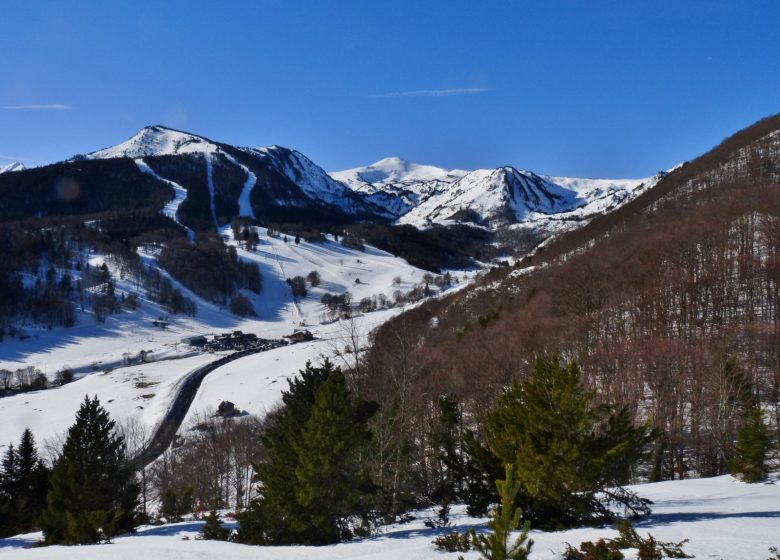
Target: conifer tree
(753, 445)
(332, 485)
(564, 447)
(23, 486)
(286, 512)
(506, 518)
(8, 503)
(93, 493)
(213, 529)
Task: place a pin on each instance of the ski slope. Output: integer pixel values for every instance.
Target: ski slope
(171, 209)
(722, 518)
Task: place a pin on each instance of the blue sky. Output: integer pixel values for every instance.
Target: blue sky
(598, 89)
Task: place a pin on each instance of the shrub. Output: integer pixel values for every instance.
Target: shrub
(453, 542)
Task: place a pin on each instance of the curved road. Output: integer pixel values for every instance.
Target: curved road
(188, 388)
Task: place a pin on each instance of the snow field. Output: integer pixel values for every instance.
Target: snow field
(722, 518)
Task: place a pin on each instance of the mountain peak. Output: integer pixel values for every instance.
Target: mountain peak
(15, 166)
(157, 140)
(390, 170)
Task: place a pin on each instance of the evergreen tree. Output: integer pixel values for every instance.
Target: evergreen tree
(8, 503)
(505, 519)
(23, 486)
(312, 478)
(93, 493)
(753, 445)
(565, 448)
(332, 484)
(447, 437)
(213, 529)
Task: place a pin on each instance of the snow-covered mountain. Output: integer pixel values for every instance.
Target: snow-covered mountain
(287, 176)
(391, 189)
(423, 195)
(15, 166)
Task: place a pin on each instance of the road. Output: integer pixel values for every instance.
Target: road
(188, 388)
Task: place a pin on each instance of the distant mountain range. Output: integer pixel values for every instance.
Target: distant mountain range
(392, 189)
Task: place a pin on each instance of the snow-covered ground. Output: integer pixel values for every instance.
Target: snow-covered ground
(723, 520)
(98, 353)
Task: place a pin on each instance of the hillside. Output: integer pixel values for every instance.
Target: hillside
(669, 304)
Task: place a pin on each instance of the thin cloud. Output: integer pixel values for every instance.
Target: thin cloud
(12, 158)
(452, 92)
(48, 107)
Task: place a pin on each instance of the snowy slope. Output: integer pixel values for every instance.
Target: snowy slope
(157, 141)
(723, 520)
(312, 179)
(15, 166)
(171, 209)
(97, 352)
(392, 170)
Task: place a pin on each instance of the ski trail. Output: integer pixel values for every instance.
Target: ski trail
(171, 209)
(296, 307)
(210, 178)
(244, 204)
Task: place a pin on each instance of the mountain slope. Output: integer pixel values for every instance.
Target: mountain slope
(656, 300)
(284, 178)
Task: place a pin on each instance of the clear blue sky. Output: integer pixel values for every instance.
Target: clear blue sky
(599, 89)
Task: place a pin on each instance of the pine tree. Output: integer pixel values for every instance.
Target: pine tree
(291, 488)
(93, 493)
(331, 484)
(505, 519)
(267, 518)
(753, 445)
(564, 447)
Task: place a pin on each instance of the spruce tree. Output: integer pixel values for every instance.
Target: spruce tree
(565, 448)
(92, 493)
(753, 445)
(506, 518)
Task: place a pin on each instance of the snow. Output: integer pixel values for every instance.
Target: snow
(244, 204)
(423, 195)
(392, 170)
(157, 141)
(97, 352)
(723, 520)
(312, 179)
(15, 166)
(180, 193)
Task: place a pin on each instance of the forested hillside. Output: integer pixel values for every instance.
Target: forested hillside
(669, 304)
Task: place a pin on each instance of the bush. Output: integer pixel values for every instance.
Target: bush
(241, 306)
(313, 278)
(298, 286)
